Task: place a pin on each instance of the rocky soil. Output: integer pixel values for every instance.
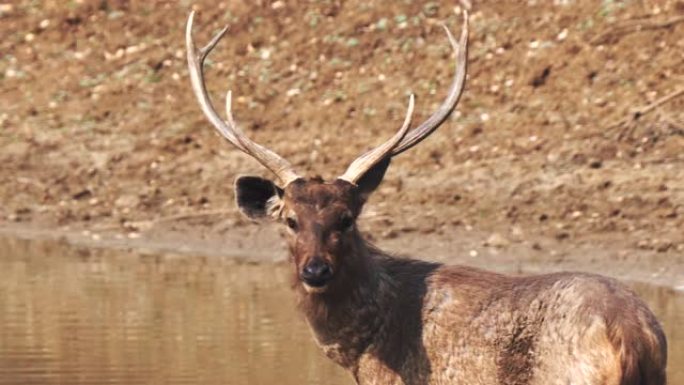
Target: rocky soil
(567, 149)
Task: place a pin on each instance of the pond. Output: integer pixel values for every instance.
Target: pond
(78, 316)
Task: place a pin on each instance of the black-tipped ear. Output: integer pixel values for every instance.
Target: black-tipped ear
(372, 178)
(253, 195)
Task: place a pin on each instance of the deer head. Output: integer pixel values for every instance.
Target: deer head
(324, 242)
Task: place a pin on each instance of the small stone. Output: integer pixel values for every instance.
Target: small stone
(133, 49)
(595, 163)
(662, 247)
(136, 226)
(562, 35)
(562, 235)
(497, 240)
(128, 200)
(293, 92)
(517, 231)
(6, 8)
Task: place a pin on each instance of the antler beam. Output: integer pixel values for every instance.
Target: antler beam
(455, 91)
(402, 140)
(228, 129)
(363, 163)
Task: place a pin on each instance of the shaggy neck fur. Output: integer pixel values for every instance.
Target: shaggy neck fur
(373, 295)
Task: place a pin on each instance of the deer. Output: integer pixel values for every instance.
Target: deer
(393, 320)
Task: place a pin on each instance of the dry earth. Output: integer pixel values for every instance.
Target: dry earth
(566, 150)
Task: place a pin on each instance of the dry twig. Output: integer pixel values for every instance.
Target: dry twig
(190, 215)
(637, 113)
(169, 218)
(632, 26)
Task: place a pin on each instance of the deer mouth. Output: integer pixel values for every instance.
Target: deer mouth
(315, 289)
(315, 285)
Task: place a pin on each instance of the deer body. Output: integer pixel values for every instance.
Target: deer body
(396, 321)
(423, 323)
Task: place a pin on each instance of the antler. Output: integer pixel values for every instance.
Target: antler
(269, 159)
(369, 159)
(402, 141)
(455, 91)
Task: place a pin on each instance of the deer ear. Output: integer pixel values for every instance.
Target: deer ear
(372, 178)
(254, 195)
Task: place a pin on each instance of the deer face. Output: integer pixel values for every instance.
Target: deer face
(320, 218)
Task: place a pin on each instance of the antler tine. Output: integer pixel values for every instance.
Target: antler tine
(438, 117)
(363, 163)
(229, 130)
(402, 141)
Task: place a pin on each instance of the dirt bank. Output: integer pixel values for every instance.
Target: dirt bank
(566, 151)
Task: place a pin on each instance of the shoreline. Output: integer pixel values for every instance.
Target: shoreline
(259, 245)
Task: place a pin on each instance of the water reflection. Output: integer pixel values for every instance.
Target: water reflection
(70, 316)
(102, 318)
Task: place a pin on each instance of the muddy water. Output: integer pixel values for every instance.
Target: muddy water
(70, 316)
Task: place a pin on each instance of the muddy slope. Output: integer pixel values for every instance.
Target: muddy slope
(568, 145)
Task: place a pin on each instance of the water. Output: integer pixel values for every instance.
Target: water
(74, 316)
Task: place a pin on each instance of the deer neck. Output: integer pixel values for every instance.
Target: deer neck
(348, 320)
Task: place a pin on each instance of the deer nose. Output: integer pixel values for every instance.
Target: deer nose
(316, 273)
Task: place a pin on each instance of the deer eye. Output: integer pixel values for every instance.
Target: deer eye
(292, 223)
(346, 223)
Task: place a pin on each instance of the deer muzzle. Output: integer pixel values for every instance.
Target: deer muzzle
(316, 273)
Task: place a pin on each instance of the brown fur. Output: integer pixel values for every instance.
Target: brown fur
(399, 321)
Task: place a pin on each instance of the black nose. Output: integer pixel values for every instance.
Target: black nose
(316, 273)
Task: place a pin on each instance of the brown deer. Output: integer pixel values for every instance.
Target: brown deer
(390, 320)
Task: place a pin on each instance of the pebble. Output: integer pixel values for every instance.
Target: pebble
(128, 200)
(562, 35)
(6, 8)
(293, 92)
(497, 240)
